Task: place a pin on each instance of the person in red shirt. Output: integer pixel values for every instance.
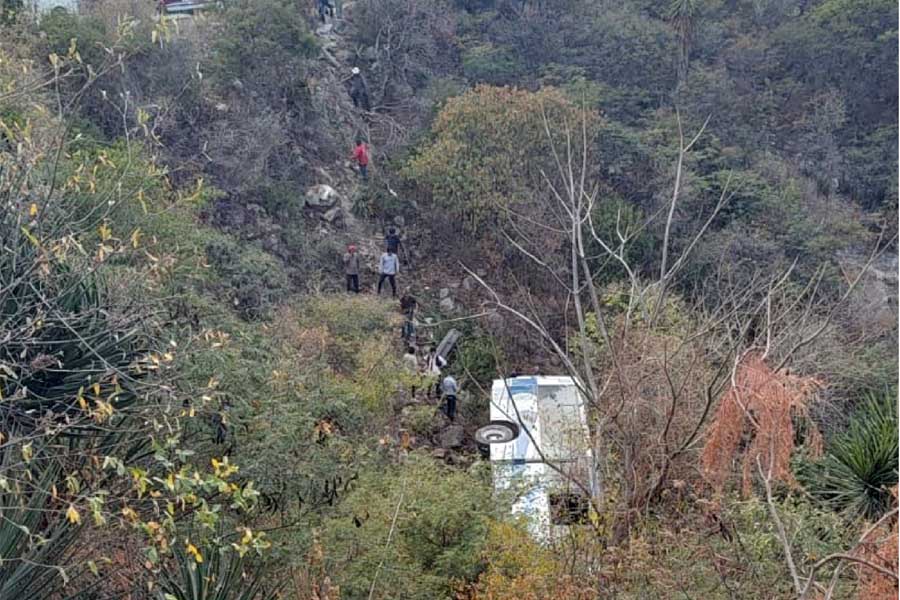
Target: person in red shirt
(361, 156)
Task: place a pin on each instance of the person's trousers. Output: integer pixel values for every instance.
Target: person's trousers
(450, 406)
(353, 283)
(364, 172)
(393, 283)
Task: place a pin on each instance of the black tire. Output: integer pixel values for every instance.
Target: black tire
(497, 432)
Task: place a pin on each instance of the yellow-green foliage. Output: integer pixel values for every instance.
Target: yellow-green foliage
(353, 338)
(436, 517)
(518, 568)
(490, 146)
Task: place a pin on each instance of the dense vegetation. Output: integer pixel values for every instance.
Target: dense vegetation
(689, 205)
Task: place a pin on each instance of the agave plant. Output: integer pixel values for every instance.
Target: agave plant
(859, 469)
(219, 575)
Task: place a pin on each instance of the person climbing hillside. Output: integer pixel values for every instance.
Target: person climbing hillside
(408, 304)
(351, 269)
(392, 239)
(389, 266)
(449, 389)
(361, 156)
(325, 8)
(411, 363)
(359, 91)
(433, 365)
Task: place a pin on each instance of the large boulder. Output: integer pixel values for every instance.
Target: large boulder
(446, 305)
(321, 197)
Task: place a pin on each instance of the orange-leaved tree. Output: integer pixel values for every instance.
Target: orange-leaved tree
(756, 421)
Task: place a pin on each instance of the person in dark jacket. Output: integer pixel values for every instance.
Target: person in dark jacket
(392, 239)
(325, 8)
(359, 92)
(408, 305)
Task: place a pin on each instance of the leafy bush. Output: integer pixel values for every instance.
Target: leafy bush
(859, 470)
(477, 356)
(439, 520)
(472, 183)
(265, 45)
(487, 63)
(420, 420)
(254, 280)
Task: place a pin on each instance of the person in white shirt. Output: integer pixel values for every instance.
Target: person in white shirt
(388, 266)
(411, 363)
(449, 389)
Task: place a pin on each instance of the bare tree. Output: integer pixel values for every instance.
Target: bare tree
(651, 389)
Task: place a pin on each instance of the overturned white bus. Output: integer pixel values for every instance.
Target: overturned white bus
(540, 451)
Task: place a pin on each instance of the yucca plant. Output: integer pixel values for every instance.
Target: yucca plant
(32, 536)
(859, 469)
(219, 575)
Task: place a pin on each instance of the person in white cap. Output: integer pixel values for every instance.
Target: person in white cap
(359, 92)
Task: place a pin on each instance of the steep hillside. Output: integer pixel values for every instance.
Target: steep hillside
(688, 207)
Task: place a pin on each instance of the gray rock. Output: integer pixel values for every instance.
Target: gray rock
(343, 55)
(452, 437)
(334, 215)
(481, 273)
(347, 10)
(321, 197)
(439, 453)
(324, 174)
(468, 283)
(324, 29)
(446, 305)
(444, 293)
(399, 221)
(369, 53)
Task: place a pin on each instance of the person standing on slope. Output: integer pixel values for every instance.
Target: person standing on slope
(411, 363)
(408, 305)
(449, 389)
(359, 91)
(361, 156)
(389, 266)
(392, 239)
(325, 8)
(351, 269)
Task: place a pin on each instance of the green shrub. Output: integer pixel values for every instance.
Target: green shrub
(441, 526)
(420, 420)
(264, 44)
(477, 356)
(255, 281)
(487, 63)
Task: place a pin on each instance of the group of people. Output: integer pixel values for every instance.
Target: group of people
(388, 264)
(444, 388)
